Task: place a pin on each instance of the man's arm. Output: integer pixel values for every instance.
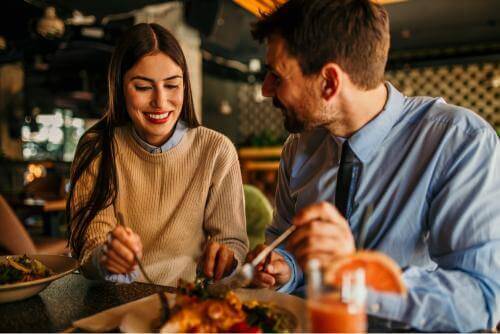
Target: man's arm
(463, 293)
(282, 217)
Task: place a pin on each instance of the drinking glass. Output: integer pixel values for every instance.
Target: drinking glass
(339, 309)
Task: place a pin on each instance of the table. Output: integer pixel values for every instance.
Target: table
(258, 159)
(74, 297)
(68, 299)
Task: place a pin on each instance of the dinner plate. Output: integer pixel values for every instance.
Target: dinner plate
(142, 315)
(60, 265)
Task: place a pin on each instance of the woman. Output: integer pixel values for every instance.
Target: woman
(176, 184)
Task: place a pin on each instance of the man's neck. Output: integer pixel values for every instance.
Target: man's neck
(357, 109)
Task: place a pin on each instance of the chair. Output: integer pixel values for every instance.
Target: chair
(259, 214)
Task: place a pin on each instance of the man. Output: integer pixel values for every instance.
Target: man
(430, 170)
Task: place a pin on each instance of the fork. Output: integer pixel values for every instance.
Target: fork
(244, 275)
(165, 314)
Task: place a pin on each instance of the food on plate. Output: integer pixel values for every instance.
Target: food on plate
(381, 272)
(196, 310)
(15, 269)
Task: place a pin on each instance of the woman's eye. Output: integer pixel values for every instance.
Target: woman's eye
(171, 86)
(142, 88)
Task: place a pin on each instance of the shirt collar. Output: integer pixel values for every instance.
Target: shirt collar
(179, 131)
(366, 141)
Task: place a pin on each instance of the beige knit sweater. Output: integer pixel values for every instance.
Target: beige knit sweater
(174, 201)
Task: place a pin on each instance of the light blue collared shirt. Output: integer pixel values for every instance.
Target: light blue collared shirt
(179, 131)
(432, 172)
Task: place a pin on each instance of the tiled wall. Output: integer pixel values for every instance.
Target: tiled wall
(475, 86)
(258, 116)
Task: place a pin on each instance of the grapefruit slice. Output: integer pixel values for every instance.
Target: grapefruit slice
(381, 272)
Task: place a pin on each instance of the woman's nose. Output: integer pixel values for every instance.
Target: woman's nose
(160, 99)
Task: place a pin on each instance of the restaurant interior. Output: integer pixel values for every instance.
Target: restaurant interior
(54, 56)
(52, 82)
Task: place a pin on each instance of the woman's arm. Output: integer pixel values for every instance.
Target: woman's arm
(98, 229)
(225, 208)
(13, 236)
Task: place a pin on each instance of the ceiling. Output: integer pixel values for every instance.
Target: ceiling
(415, 24)
(256, 7)
(419, 24)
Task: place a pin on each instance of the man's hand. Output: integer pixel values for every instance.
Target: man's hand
(322, 233)
(218, 260)
(119, 251)
(272, 272)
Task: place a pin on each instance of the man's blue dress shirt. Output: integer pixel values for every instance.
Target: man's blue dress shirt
(432, 172)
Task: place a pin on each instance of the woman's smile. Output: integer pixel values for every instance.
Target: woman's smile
(158, 117)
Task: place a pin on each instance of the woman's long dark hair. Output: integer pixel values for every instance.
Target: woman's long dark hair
(140, 40)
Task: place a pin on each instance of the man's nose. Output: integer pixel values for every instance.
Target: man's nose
(268, 86)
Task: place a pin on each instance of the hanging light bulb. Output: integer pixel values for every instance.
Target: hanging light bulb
(50, 26)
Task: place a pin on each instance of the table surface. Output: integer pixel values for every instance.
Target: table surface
(68, 299)
(74, 297)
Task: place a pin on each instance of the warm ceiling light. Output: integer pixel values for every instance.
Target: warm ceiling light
(386, 2)
(256, 7)
(50, 26)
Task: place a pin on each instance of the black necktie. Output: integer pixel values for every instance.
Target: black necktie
(347, 180)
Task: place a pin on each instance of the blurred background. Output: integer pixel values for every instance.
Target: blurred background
(54, 55)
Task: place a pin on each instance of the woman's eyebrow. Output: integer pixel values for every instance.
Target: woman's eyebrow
(140, 77)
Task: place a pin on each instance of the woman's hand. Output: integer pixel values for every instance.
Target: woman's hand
(119, 251)
(218, 261)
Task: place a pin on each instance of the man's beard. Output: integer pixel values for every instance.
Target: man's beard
(292, 123)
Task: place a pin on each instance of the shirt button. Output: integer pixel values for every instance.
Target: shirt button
(375, 308)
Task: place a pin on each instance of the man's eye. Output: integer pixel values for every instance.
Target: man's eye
(275, 78)
(142, 88)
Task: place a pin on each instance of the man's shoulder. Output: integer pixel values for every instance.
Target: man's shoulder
(304, 140)
(438, 114)
(291, 141)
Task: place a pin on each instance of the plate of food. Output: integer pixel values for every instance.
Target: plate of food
(23, 276)
(193, 309)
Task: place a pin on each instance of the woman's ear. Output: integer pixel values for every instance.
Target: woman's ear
(331, 80)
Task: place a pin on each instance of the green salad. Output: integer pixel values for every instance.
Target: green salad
(15, 269)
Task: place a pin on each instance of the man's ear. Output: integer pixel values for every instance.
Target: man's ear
(331, 75)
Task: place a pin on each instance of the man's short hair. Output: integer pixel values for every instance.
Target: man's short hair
(351, 33)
